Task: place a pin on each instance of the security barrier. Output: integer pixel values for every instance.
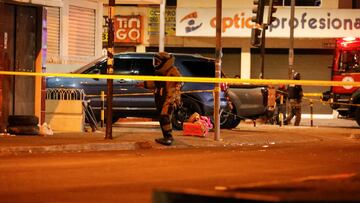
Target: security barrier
(64, 109)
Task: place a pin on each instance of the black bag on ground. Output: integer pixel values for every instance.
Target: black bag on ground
(23, 130)
(23, 125)
(23, 120)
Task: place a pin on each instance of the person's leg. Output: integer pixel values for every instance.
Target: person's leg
(165, 124)
(298, 115)
(290, 116)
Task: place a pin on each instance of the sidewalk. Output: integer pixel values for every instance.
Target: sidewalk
(141, 135)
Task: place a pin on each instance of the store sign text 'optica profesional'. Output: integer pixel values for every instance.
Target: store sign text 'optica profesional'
(311, 22)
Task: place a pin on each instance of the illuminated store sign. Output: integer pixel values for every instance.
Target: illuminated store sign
(309, 23)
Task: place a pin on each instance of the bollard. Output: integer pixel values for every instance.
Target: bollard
(281, 116)
(311, 113)
(102, 116)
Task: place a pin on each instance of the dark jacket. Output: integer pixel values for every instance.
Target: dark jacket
(295, 92)
(172, 88)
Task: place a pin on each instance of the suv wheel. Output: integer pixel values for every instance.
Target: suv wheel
(180, 115)
(230, 120)
(227, 119)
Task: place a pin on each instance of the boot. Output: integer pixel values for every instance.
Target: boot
(165, 140)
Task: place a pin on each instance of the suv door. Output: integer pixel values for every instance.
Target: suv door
(131, 99)
(93, 86)
(145, 98)
(122, 87)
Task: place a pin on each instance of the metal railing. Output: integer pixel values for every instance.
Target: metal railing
(65, 94)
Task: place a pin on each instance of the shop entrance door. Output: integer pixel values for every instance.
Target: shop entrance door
(18, 33)
(25, 50)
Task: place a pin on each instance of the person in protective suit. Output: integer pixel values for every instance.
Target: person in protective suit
(295, 95)
(167, 93)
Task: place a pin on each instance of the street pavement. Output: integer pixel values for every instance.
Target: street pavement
(136, 135)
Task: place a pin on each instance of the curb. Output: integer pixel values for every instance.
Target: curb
(69, 148)
(142, 145)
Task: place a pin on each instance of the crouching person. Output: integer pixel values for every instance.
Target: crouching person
(167, 94)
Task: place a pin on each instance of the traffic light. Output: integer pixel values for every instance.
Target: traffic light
(259, 11)
(272, 10)
(256, 37)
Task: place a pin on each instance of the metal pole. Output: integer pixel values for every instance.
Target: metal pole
(102, 109)
(281, 116)
(264, 26)
(291, 49)
(218, 54)
(162, 27)
(311, 113)
(110, 70)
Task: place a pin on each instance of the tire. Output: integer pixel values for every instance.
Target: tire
(23, 130)
(235, 122)
(180, 115)
(357, 115)
(23, 120)
(229, 120)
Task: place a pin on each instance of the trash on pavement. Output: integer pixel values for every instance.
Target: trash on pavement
(197, 125)
(45, 129)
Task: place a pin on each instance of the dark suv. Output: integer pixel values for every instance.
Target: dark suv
(131, 100)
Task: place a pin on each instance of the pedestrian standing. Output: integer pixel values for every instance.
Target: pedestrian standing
(295, 94)
(167, 93)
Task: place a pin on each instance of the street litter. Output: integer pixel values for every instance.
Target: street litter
(6, 134)
(45, 129)
(197, 125)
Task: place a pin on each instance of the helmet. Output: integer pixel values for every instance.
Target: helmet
(296, 76)
(281, 86)
(160, 58)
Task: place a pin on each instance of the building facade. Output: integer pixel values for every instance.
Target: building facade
(190, 28)
(61, 35)
(36, 35)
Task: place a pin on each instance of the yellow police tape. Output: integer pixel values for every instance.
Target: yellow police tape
(312, 94)
(189, 79)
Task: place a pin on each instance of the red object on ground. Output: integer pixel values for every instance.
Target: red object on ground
(197, 128)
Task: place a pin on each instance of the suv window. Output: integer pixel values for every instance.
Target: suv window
(143, 67)
(122, 66)
(99, 68)
(200, 68)
(103, 67)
